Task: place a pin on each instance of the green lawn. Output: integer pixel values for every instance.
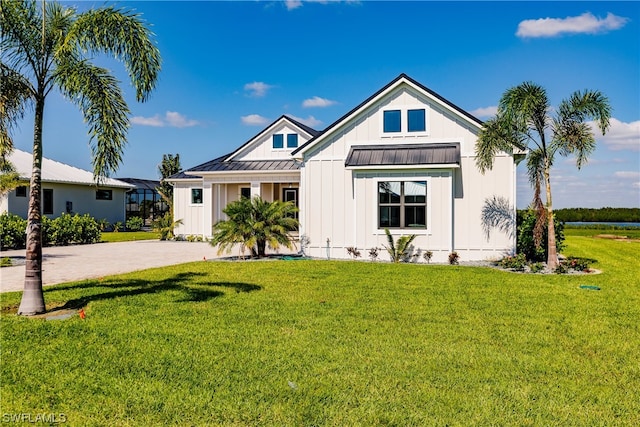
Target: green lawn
(127, 236)
(336, 343)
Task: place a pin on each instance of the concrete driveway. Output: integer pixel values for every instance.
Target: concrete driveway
(71, 263)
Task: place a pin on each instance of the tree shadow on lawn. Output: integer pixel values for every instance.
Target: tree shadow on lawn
(192, 290)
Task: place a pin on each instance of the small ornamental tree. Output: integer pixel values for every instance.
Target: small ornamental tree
(255, 224)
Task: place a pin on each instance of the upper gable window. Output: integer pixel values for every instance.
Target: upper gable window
(292, 140)
(416, 120)
(278, 140)
(392, 121)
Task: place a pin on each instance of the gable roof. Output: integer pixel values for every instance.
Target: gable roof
(53, 171)
(402, 78)
(308, 130)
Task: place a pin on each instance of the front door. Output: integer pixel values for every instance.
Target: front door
(291, 195)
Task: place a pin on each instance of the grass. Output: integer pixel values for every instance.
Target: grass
(293, 343)
(127, 236)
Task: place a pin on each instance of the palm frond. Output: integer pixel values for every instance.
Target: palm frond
(99, 97)
(123, 35)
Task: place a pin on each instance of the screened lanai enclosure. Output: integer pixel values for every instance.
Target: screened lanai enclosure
(144, 201)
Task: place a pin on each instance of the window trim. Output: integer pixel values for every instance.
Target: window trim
(191, 200)
(289, 138)
(46, 211)
(273, 141)
(402, 230)
(107, 193)
(404, 121)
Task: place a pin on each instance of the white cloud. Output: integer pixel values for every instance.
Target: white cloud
(155, 121)
(586, 23)
(309, 121)
(627, 174)
(257, 89)
(485, 112)
(293, 4)
(254, 120)
(177, 120)
(620, 136)
(316, 101)
(171, 119)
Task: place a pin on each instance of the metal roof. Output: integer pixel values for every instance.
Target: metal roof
(404, 154)
(53, 171)
(142, 184)
(220, 165)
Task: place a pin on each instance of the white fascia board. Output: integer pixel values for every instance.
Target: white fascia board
(264, 132)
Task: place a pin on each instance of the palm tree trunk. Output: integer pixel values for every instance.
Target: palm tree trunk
(33, 298)
(552, 254)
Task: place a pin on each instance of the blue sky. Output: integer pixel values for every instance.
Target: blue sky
(230, 68)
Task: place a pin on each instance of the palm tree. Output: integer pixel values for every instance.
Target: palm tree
(52, 48)
(524, 122)
(255, 224)
(400, 250)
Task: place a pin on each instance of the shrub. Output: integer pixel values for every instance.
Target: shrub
(373, 253)
(427, 255)
(135, 223)
(354, 252)
(537, 267)
(87, 229)
(515, 262)
(454, 258)
(194, 238)
(401, 249)
(6, 262)
(526, 221)
(63, 231)
(578, 264)
(12, 231)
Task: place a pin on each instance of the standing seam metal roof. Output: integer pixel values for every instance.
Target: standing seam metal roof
(406, 154)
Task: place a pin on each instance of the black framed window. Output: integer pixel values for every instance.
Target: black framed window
(292, 140)
(416, 120)
(402, 204)
(392, 121)
(245, 192)
(47, 201)
(21, 191)
(278, 140)
(196, 196)
(104, 194)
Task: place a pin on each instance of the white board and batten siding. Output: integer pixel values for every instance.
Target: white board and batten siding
(340, 204)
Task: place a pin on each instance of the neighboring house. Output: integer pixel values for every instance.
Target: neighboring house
(66, 189)
(144, 201)
(404, 159)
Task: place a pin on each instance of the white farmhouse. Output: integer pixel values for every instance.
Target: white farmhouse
(66, 189)
(404, 159)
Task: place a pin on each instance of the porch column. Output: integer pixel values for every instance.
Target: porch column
(255, 189)
(207, 209)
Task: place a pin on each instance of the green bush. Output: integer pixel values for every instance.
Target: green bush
(526, 221)
(135, 223)
(87, 229)
(12, 231)
(61, 231)
(515, 262)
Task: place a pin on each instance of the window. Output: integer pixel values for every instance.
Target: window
(245, 192)
(392, 121)
(21, 191)
(402, 204)
(196, 196)
(415, 121)
(292, 140)
(278, 141)
(47, 201)
(104, 194)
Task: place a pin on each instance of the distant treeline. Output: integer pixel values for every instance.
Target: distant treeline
(598, 215)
